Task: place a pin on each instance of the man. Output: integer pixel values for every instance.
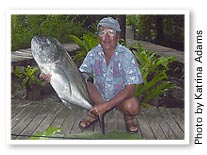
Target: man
(115, 75)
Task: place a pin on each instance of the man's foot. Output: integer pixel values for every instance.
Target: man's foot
(87, 122)
(131, 123)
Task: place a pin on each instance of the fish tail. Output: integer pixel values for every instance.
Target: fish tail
(101, 122)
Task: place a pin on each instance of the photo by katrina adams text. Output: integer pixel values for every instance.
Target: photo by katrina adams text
(198, 88)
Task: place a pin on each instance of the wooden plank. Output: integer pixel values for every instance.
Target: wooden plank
(28, 117)
(52, 112)
(42, 112)
(29, 130)
(111, 123)
(77, 117)
(20, 57)
(165, 127)
(154, 120)
(24, 118)
(22, 53)
(18, 113)
(45, 123)
(68, 122)
(145, 128)
(120, 121)
(97, 128)
(172, 124)
(28, 51)
(26, 54)
(178, 116)
(17, 118)
(16, 106)
(60, 117)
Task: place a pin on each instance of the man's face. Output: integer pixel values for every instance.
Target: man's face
(108, 38)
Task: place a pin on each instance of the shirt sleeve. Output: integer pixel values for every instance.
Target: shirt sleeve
(86, 66)
(132, 72)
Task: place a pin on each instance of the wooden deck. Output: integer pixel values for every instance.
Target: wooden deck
(24, 56)
(30, 117)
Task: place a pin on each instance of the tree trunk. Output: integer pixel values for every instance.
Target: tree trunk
(122, 22)
(160, 28)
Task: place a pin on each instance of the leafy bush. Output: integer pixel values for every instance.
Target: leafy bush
(154, 73)
(86, 43)
(28, 77)
(24, 27)
(133, 21)
(149, 27)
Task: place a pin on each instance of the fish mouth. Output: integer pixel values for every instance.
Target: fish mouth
(45, 49)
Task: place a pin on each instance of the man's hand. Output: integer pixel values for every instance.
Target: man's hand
(46, 77)
(99, 109)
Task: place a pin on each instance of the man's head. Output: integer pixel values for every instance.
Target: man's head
(110, 23)
(108, 31)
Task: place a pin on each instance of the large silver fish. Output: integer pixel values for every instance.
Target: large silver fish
(66, 79)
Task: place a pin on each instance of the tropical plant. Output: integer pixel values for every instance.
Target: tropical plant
(86, 43)
(28, 77)
(154, 73)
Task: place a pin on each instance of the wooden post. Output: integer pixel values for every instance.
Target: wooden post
(122, 22)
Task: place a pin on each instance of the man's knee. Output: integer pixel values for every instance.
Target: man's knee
(130, 106)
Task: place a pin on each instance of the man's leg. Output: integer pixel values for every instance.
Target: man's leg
(130, 108)
(94, 93)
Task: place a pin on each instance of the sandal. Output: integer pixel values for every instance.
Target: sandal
(87, 122)
(131, 124)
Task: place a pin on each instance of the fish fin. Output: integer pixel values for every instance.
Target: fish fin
(101, 122)
(66, 103)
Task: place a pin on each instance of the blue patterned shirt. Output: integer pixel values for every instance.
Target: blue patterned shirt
(110, 79)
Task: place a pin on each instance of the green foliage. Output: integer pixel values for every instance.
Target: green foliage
(143, 25)
(86, 43)
(133, 20)
(52, 132)
(24, 27)
(153, 69)
(28, 76)
(147, 26)
(174, 28)
(49, 132)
